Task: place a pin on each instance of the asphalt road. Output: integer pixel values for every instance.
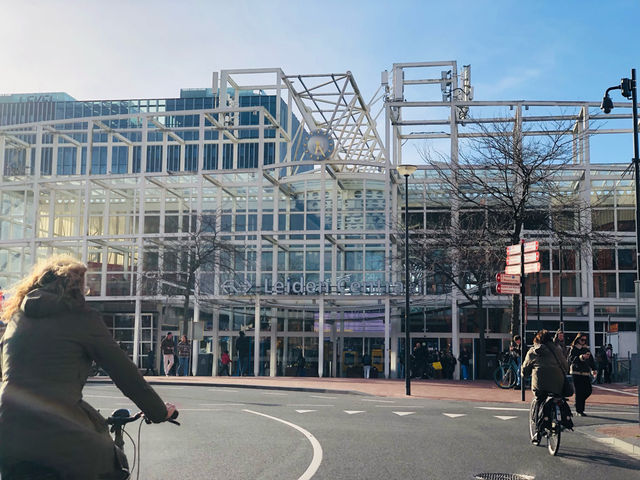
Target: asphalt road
(237, 433)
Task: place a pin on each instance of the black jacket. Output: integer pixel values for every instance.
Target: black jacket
(579, 366)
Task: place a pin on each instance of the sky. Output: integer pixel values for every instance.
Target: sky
(117, 49)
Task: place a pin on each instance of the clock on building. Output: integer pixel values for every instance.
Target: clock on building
(319, 145)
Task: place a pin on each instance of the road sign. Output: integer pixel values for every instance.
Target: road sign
(504, 278)
(513, 250)
(531, 267)
(513, 259)
(531, 257)
(507, 289)
(531, 246)
(512, 269)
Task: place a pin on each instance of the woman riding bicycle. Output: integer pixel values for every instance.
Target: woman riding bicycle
(547, 365)
(52, 337)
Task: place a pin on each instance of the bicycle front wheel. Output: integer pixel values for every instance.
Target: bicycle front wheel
(505, 377)
(533, 429)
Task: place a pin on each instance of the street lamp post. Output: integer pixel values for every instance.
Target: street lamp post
(629, 90)
(406, 171)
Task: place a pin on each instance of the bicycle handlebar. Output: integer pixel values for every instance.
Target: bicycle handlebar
(122, 416)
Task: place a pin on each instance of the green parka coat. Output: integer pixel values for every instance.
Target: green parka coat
(47, 350)
(548, 369)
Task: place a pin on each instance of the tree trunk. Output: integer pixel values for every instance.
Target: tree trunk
(482, 345)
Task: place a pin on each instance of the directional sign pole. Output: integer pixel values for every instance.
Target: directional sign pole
(522, 340)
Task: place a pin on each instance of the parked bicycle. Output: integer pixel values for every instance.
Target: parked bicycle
(552, 424)
(506, 375)
(118, 419)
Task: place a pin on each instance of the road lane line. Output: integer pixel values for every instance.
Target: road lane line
(323, 396)
(275, 393)
(380, 401)
(399, 406)
(615, 390)
(505, 417)
(223, 390)
(317, 448)
(307, 405)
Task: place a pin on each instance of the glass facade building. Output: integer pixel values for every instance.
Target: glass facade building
(294, 174)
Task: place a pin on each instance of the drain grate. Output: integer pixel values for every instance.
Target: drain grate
(501, 476)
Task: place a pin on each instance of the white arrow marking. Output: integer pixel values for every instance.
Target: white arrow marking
(402, 414)
(504, 417)
(305, 411)
(351, 412)
(505, 408)
(454, 415)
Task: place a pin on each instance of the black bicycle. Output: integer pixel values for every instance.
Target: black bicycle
(552, 422)
(118, 419)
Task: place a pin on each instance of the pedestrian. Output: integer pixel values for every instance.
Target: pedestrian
(401, 363)
(300, 364)
(582, 367)
(366, 363)
(184, 351)
(464, 358)
(47, 430)
(168, 348)
(151, 363)
(609, 368)
(243, 345)
(515, 352)
(558, 339)
(601, 364)
(226, 362)
(448, 363)
(548, 365)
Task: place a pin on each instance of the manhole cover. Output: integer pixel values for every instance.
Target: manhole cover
(501, 476)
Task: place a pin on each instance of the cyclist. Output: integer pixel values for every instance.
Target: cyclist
(547, 365)
(52, 337)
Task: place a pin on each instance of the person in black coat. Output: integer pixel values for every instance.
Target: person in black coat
(582, 366)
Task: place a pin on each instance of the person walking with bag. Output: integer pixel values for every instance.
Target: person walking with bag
(167, 347)
(582, 367)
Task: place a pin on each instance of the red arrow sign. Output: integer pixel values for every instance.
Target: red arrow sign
(531, 257)
(531, 246)
(513, 259)
(532, 267)
(507, 289)
(504, 278)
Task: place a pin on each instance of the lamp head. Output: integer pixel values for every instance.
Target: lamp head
(406, 170)
(607, 104)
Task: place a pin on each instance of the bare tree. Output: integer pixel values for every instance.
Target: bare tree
(185, 264)
(506, 178)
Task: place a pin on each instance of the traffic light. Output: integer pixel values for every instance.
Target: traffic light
(607, 104)
(626, 87)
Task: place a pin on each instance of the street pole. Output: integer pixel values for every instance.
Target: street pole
(406, 171)
(522, 316)
(561, 290)
(636, 161)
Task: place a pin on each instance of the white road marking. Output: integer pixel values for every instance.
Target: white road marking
(222, 404)
(275, 393)
(307, 405)
(317, 448)
(305, 411)
(223, 390)
(380, 401)
(513, 409)
(455, 415)
(353, 412)
(323, 396)
(402, 414)
(169, 387)
(615, 390)
(503, 417)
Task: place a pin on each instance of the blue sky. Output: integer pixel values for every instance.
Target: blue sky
(533, 50)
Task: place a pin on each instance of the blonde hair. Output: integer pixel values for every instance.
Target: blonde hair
(63, 272)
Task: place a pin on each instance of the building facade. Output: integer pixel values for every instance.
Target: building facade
(297, 173)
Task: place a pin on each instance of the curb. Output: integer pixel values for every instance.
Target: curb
(96, 381)
(620, 445)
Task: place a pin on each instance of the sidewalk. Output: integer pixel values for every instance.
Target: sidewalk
(625, 437)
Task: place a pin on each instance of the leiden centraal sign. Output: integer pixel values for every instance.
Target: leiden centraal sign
(301, 287)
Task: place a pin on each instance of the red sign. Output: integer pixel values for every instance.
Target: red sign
(504, 278)
(531, 246)
(513, 260)
(531, 257)
(531, 267)
(513, 250)
(507, 289)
